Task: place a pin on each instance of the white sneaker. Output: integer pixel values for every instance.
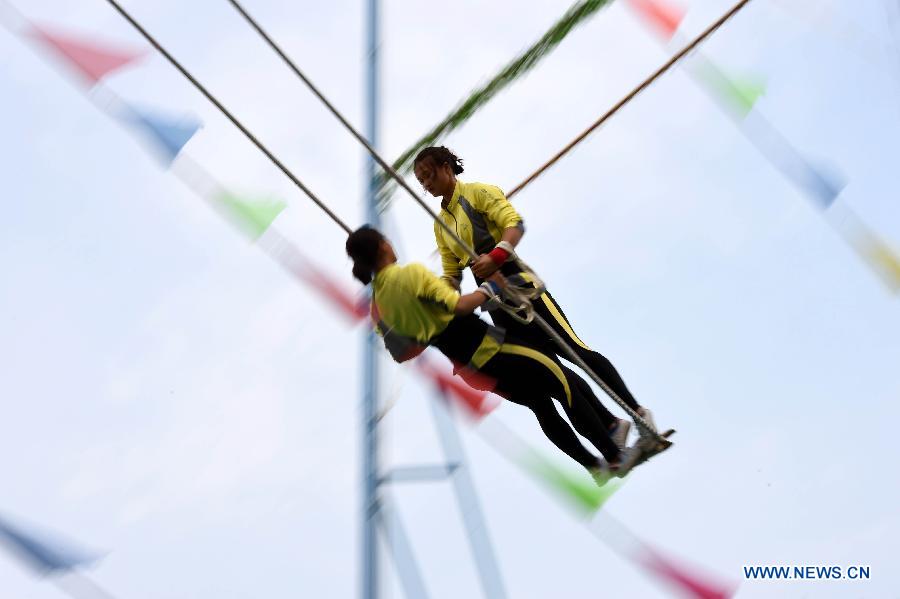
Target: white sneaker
(602, 473)
(630, 458)
(619, 434)
(648, 417)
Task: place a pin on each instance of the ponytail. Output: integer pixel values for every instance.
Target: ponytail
(363, 273)
(362, 247)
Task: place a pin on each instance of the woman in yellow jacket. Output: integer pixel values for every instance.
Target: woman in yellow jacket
(414, 308)
(486, 221)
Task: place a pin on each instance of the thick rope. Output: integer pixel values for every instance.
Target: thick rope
(644, 85)
(231, 117)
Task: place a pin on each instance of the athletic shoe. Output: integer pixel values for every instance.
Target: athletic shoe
(601, 474)
(619, 434)
(630, 458)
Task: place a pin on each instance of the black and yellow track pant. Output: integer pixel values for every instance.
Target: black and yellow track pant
(533, 335)
(531, 378)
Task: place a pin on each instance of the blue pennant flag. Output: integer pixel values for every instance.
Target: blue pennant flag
(40, 552)
(824, 185)
(169, 135)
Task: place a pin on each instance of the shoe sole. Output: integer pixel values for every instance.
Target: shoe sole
(660, 447)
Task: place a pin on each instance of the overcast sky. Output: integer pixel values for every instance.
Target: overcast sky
(170, 396)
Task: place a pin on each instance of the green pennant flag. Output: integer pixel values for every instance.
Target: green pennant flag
(580, 491)
(740, 94)
(253, 217)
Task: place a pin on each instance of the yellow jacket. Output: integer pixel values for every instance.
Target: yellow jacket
(479, 213)
(413, 301)
(414, 308)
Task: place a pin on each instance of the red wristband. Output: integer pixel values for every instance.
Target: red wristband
(499, 256)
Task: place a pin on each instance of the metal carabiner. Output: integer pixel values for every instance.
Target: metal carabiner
(514, 310)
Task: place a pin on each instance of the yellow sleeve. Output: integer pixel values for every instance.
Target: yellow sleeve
(490, 201)
(429, 288)
(375, 318)
(449, 261)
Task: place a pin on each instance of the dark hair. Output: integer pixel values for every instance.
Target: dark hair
(441, 155)
(362, 247)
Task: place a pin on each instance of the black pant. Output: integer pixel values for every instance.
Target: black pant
(531, 379)
(535, 336)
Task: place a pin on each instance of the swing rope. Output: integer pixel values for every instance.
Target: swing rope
(631, 95)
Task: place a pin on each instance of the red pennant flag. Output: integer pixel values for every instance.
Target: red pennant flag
(680, 578)
(473, 397)
(91, 60)
(354, 310)
(295, 262)
(664, 17)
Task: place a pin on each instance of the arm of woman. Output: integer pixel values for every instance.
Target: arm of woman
(468, 302)
(493, 204)
(513, 235)
(491, 262)
(433, 289)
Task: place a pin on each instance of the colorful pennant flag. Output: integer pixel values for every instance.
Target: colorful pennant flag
(42, 554)
(663, 17)
(168, 134)
(252, 217)
(476, 402)
(581, 492)
(823, 185)
(92, 60)
(353, 308)
(302, 268)
(885, 260)
(739, 94)
(678, 577)
(869, 247)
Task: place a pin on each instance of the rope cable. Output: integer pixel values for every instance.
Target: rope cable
(150, 39)
(631, 95)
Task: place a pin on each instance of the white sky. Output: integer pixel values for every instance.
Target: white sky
(171, 396)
